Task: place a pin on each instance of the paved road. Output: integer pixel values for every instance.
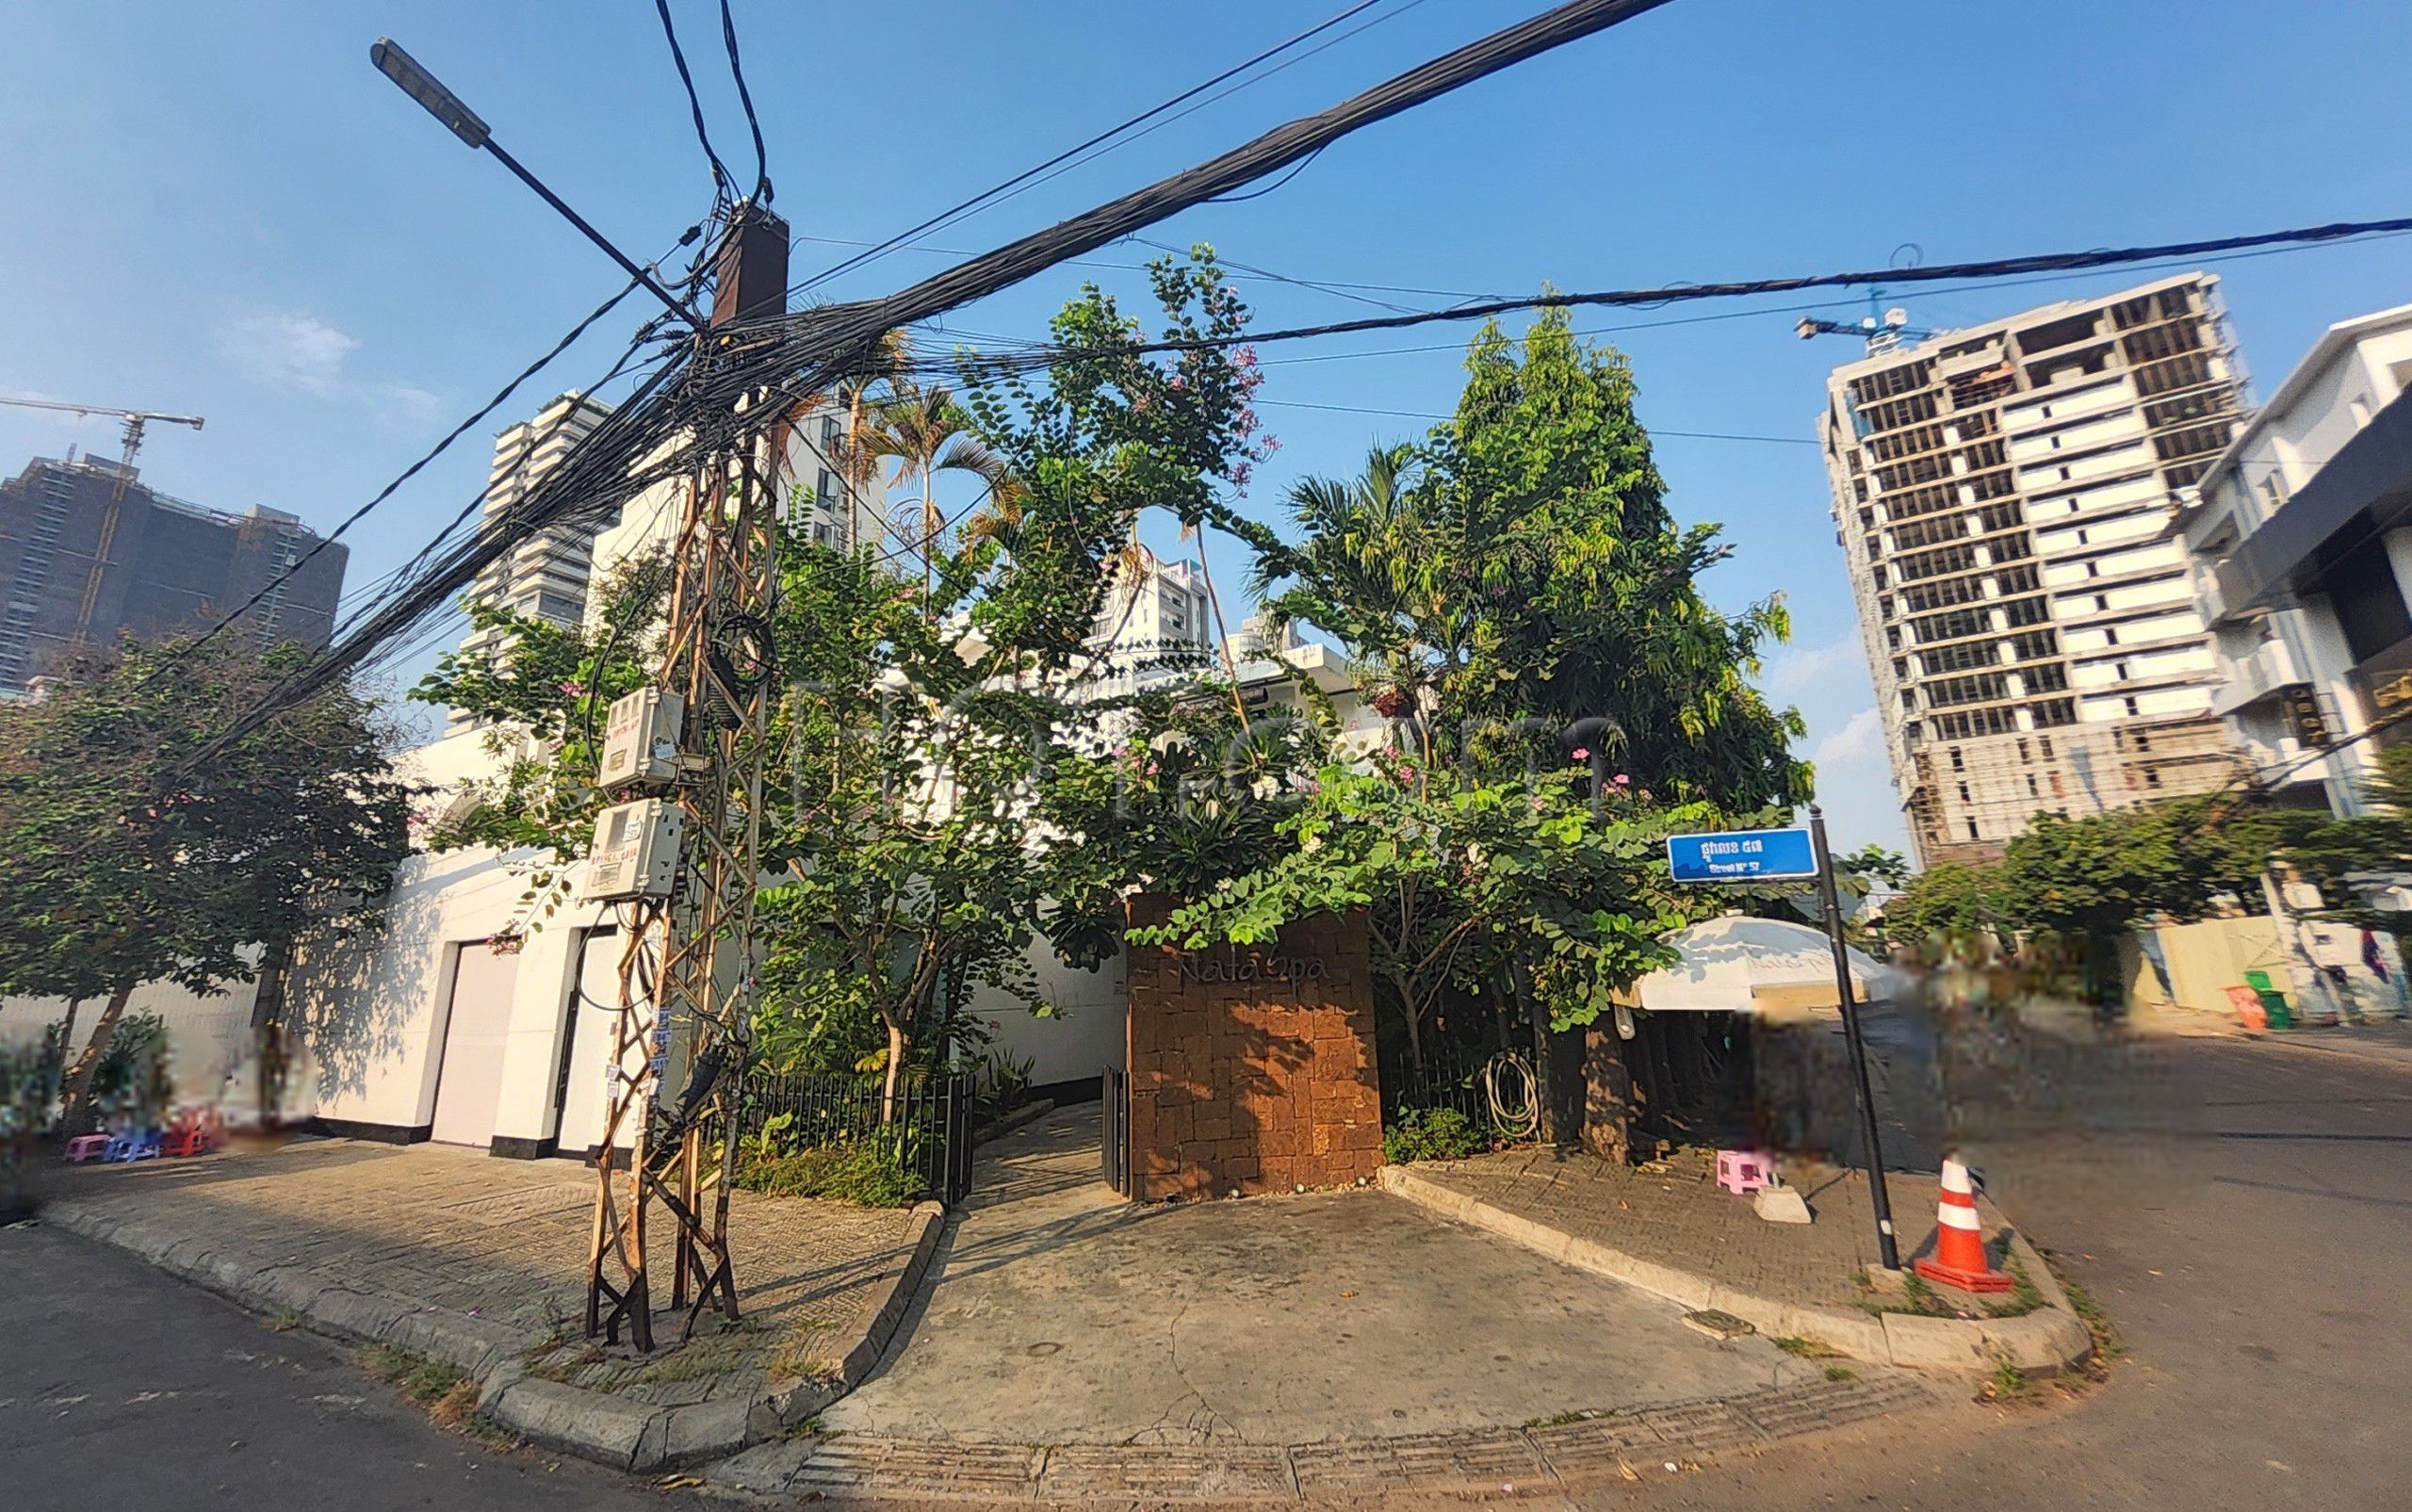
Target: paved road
(120, 1388)
(2245, 1212)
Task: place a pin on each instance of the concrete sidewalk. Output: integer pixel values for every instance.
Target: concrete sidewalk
(481, 1262)
(1672, 1231)
(1330, 1344)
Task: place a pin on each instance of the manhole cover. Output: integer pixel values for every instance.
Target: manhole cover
(1717, 1324)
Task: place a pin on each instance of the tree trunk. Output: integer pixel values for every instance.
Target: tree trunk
(897, 1045)
(78, 1086)
(268, 1028)
(67, 1031)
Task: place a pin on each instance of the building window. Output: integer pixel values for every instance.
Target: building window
(2032, 789)
(2101, 602)
(1972, 829)
(2022, 750)
(2130, 701)
(2047, 746)
(2152, 777)
(1964, 793)
(2109, 635)
(1958, 762)
(2144, 741)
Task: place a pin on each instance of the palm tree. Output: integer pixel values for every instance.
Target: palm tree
(926, 432)
(1373, 567)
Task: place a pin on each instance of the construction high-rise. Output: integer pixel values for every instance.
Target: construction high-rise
(2002, 495)
(166, 567)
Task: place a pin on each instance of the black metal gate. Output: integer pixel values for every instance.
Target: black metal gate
(1115, 1136)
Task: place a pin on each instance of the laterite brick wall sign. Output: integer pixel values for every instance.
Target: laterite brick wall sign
(1252, 1067)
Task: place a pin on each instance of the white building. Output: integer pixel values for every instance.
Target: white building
(1999, 493)
(544, 576)
(2301, 538)
(1156, 625)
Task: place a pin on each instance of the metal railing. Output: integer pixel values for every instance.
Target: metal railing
(931, 1131)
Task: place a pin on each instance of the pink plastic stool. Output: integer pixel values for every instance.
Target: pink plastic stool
(86, 1148)
(1744, 1171)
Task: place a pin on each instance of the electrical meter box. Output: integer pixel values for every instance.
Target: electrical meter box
(635, 853)
(641, 739)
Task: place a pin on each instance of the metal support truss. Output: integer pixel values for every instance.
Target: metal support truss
(687, 969)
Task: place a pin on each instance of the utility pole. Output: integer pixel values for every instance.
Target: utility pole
(690, 1025)
(1888, 1247)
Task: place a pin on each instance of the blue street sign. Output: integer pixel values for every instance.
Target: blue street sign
(1742, 855)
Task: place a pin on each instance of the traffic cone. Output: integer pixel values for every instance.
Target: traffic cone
(1959, 1257)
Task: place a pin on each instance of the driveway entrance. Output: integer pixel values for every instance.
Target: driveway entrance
(1062, 1313)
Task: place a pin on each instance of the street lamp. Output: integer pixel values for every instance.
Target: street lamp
(415, 81)
(428, 90)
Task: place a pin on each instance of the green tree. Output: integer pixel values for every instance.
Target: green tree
(1949, 898)
(1523, 568)
(131, 857)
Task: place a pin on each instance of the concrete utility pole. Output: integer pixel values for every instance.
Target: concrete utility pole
(690, 1023)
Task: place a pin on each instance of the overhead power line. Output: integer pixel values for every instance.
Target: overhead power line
(500, 397)
(999, 190)
(689, 409)
(746, 98)
(1043, 355)
(1434, 414)
(722, 184)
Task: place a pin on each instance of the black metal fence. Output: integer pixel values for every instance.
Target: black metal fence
(1445, 1078)
(1115, 1136)
(931, 1131)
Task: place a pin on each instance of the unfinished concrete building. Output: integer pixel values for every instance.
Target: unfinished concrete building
(2001, 493)
(89, 552)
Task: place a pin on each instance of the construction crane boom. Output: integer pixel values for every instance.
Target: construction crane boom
(135, 420)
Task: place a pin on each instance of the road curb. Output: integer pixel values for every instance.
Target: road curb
(1626, 1445)
(612, 1430)
(2050, 1339)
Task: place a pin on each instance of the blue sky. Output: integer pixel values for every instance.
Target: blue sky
(222, 210)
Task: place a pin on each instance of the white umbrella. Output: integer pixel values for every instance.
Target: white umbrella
(1760, 966)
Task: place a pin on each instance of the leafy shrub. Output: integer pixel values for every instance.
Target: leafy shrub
(868, 1173)
(1002, 1078)
(1431, 1134)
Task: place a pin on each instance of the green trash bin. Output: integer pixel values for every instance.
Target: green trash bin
(2274, 1002)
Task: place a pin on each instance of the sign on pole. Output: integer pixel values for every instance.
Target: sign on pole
(1742, 855)
(1766, 856)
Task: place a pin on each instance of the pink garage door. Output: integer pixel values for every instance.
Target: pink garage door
(469, 1089)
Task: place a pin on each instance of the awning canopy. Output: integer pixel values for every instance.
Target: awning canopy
(1767, 967)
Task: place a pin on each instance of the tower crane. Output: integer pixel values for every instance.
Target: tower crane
(1882, 333)
(135, 420)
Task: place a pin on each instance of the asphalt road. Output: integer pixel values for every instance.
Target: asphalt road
(2244, 1213)
(121, 1388)
(2243, 1210)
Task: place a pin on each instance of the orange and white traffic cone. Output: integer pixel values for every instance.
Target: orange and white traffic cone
(1959, 1257)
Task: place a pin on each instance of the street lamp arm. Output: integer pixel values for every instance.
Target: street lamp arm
(411, 78)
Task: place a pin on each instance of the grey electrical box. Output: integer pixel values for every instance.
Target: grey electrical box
(641, 739)
(635, 853)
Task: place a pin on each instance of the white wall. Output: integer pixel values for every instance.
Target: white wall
(1086, 1036)
(209, 1037)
